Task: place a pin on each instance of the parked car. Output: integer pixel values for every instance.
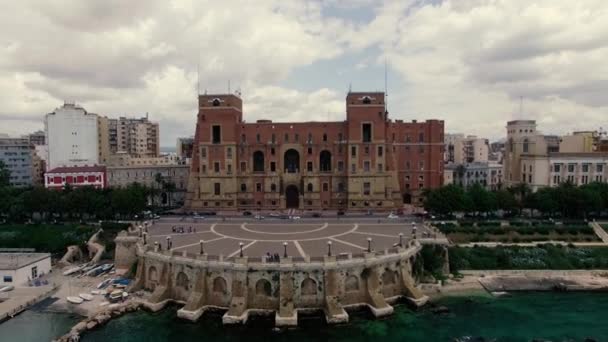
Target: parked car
(274, 215)
(247, 213)
(392, 216)
(258, 217)
(340, 213)
(316, 215)
(294, 217)
(198, 217)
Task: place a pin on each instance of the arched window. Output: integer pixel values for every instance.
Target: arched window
(273, 138)
(257, 138)
(292, 161)
(310, 138)
(263, 288)
(219, 285)
(258, 161)
(308, 287)
(182, 280)
(325, 161)
(309, 187)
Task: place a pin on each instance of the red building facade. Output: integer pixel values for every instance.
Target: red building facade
(76, 176)
(365, 162)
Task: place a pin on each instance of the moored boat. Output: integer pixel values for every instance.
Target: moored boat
(75, 300)
(86, 296)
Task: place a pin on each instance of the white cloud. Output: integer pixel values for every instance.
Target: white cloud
(465, 61)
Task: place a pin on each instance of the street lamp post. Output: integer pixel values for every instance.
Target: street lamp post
(400, 239)
(241, 247)
(369, 244)
(145, 236)
(168, 242)
(285, 249)
(202, 250)
(328, 248)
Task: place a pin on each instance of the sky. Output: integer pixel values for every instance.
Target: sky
(473, 63)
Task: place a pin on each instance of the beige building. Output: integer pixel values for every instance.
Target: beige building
(137, 137)
(524, 142)
(470, 149)
(578, 142)
(125, 159)
(122, 176)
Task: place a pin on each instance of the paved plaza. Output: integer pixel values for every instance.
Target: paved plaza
(261, 237)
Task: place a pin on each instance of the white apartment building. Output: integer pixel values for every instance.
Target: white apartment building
(72, 137)
(578, 168)
(470, 149)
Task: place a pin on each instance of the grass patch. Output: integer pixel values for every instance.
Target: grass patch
(549, 257)
(466, 234)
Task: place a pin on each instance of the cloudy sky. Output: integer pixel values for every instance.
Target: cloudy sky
(469, 62)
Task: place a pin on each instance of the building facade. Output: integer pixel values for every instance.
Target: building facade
(72, 137)
(524, 142)
(137, 137)
(18, 269)
(470, 149)
(185, 147)
(488, 175)
(76, 176)
(366, 161)
(17, 155)
(122, 176)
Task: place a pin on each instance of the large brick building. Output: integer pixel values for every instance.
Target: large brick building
(364, 162)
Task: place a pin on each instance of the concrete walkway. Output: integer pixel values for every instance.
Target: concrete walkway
(600, 232)
(21, 298)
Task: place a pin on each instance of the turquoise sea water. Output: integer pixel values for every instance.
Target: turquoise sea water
(521, 317)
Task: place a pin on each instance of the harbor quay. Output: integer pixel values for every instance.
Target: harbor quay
(278, 269)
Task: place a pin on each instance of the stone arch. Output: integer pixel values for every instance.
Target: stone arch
(308, 287)
(292, 196)
(219, 285)
(351, 284)
(152, 274)
(388, 277)
(263, 288)
(182, 280)
(258, 161)
(325, 161)
(291, 160)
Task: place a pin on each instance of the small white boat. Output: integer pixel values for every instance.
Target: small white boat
(86, 296)
(95, 292)
(500, 293)
(125, 295)
(105, 283)
(7, 288)
(75, 300)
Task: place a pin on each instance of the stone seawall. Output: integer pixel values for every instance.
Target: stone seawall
(244, 286)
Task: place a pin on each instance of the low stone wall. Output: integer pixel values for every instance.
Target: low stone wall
(243, 286)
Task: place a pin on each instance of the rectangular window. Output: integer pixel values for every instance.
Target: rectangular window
(8, 279)
(421, 165)
(366, 166)
(216, 167)
(243, 167)
(599, 168)
(229, 152)
(366, 149)
(421, 178)
(420, 149)
(380, 168)
(407, 165)
(571, 167)
(310, 150)
(297, 137)
(286, 137)
(421, 137)
(353, 151)
(273, 166)
(309, 166)
(325, 187)
(272, 151)
(243, 187)
(204, 168)
(380, 151)
(585, 168)
(557, 167)
(353, 168)
(367, 132)
(229, 169)
(203, 152)
(258, 187)
(216, 188)
(340, 166)
(216, 134)
(366, 188)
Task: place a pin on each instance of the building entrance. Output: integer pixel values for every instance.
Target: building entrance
(292, 197)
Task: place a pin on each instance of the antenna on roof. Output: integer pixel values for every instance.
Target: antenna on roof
(385, 85)
(228, 86)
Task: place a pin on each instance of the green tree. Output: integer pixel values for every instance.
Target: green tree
(506, 201)
(5, 175)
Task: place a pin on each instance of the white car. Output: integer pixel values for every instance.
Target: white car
(275, 215)
(392, 216)
(258, 217)
(198, 217)
(294, 217)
